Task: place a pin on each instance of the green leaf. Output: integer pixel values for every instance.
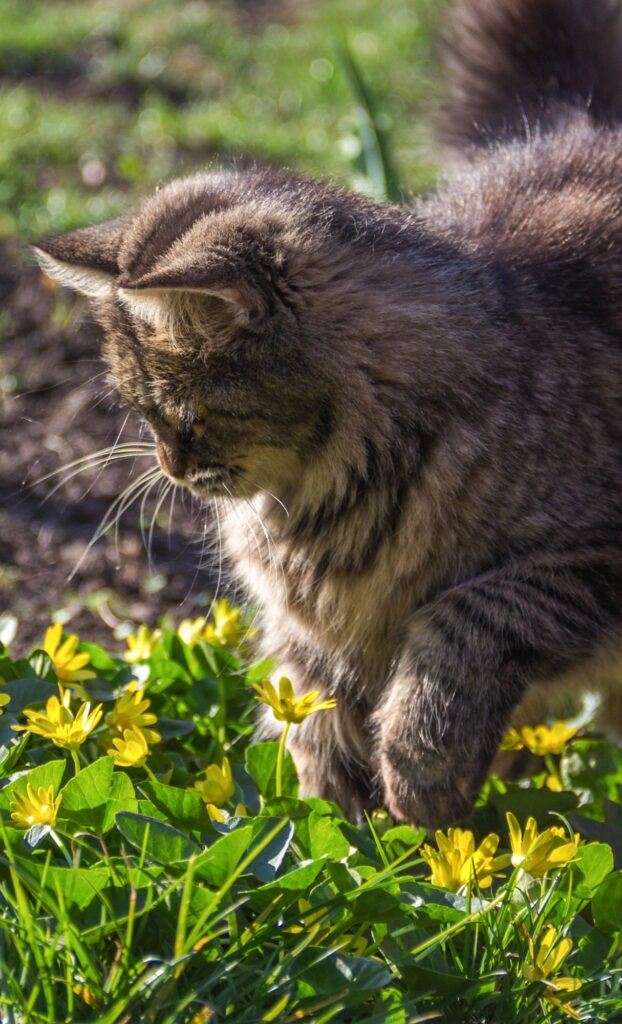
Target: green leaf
(160, 842)
(48, 774)
(607, 904)
(79, 886)
(344, 878)
(218, 863)
(85, 797)
(170, 728)
(184, 808)
(121, 797)
(320, 835)
(602, 832)
(100, 661)
(26, 692)
(323, 972)
(266, 864)
(94, 796)
(403, 838)
(593, 863)
(592, 950)
(10, 755)
(375, 906)
(376, 142)
(420, 980)
(535, 803)
(163, 668)
(297, 880)
(261, 766)
(431, 903)
(592, 766)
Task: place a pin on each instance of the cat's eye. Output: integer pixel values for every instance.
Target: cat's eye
(199, 424)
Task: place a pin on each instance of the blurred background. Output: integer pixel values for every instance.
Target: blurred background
(99, 101)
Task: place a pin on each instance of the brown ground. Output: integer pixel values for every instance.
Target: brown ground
(54, 408)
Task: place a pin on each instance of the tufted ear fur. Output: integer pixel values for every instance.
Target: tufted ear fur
(165, 297)
(86, 259)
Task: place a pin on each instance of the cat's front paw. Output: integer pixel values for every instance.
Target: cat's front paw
(427, 789)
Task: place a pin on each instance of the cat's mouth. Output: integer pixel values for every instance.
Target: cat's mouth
(209, 481)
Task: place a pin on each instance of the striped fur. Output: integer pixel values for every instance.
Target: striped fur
(412, 420)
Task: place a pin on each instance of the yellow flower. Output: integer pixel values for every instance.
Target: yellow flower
(553, 783)
(131, 751)
(36, 807)
(228, 628)
(538, 852)
(217, 814)
(59, 724)
(286, 706)
(192, 630)
(217, 787)
(89, 997)
(4, 700)
(457, 861)
(544, 962)
(142, 644)
(68, 665)
(130, 712)
(541, 739)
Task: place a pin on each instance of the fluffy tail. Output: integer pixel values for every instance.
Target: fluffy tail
(514, 64)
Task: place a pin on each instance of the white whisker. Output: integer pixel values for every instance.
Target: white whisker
(118, 507)
(99, 465)
(131, 447)
(162, 495)
(264, 490)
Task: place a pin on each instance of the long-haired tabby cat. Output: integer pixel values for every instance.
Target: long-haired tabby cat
(423, 404)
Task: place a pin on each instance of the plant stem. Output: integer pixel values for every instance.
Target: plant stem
(61, 846)
(279, 760)
(76, 759)
(149, 773)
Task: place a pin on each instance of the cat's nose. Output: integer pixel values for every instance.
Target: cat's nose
(172, 461)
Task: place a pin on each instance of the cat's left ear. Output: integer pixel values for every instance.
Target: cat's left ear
(150, 296)
(86, 259)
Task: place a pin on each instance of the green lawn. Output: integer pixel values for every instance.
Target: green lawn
(98, 102)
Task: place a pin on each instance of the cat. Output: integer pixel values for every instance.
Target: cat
(423, 404)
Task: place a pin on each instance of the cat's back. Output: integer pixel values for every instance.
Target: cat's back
(545, 215)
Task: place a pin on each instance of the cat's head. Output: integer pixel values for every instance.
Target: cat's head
(238, 312)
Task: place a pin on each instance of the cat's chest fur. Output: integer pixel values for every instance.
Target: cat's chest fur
(351, 623)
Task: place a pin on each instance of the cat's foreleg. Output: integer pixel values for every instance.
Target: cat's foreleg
(469, 658)
(328, 765)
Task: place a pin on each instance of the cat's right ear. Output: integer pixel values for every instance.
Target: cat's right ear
(86, 259)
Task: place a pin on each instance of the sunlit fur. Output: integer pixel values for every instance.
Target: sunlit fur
(412, 417)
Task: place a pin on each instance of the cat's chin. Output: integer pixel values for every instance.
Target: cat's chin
(209, 491)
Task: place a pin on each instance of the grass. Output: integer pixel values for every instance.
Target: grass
(100, 102)
(137, 905)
